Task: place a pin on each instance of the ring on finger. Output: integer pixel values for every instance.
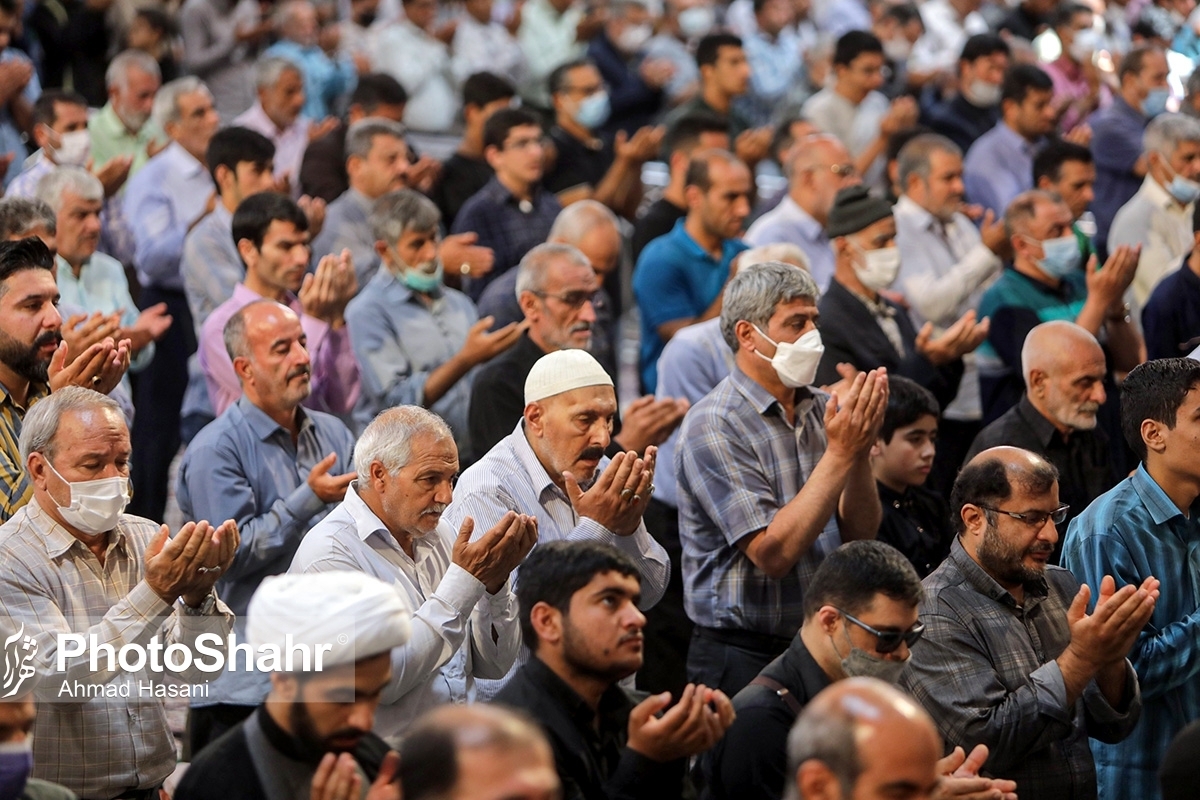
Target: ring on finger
(626, 494)
(637, 498)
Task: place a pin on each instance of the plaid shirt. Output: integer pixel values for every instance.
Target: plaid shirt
(53, 584)
(986, 672)
(15, 489)
(738, 463)
(1132, 532)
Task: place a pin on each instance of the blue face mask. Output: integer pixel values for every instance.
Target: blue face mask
(1156, 102)
(1060, 256)
(593, 111)
(1183, 190)
(16, 762)
(418, 278)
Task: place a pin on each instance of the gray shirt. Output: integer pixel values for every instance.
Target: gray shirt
(348, 226)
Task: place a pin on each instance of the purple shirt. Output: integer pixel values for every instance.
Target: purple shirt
(290, 143)
(335, 376)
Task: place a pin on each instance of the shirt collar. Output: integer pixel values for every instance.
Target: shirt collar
(365, 521)
(986, 585)
(1159, 196)
(1017, 140)
(529, 460)
(760, 399)
(614, 703)
(36, 392)
(244, 296)
(809, 227)
(1156, 501)
(263, 426)
(1119, 105)
(58, 539)
(1043, 428)
(184, 161)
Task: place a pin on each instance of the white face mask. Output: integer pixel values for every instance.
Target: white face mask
(879, 268)
(983, 94)
(696, 21)
(632, 39)
(795, 362)
(96, 506)
(73, 149)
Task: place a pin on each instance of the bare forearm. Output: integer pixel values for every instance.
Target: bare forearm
(797, 525)
(859, 511)
(612, 186)
(441, 379)
(1092, 315)
(1125, 344)
(867, 157)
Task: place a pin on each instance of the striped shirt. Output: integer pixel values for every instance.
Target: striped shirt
(740, 462)
(53, 584)
(15, 489)
(1132, 532)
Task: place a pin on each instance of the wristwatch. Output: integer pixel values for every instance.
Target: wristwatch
(204, 609)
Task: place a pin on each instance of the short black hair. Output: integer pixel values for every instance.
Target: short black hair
(234, 145)
(498, 125)
(1135, 61)
(21, 255)
(1065, 13)
(9, 6)
(555, 571)
(685, 134)
(908, 401)
(985, 482)
(1155, 390)
(254, 216)
(158, 19)
(853, 44)
(708, 49)
(850, 577)
(376, 89)
(558, 76)
(44, 106)
(484, 87)
(1050, 159)
(983, 44)
(1021, 79)
(699, 167)
(428, 763)
(903, 13)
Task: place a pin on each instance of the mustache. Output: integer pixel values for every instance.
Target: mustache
(591, 454)
(581, 327)
(305, 370)
(631, 637)
(47, 337)
(1089, 408)
(436, 508)
(1040, 548)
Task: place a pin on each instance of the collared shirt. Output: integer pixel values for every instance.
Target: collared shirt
(788, 222)
(244, 466)
(1132, 532)
(743, 463)
(1171, 317)
(548, 40)
(917, 523)
(1120, 127)
(161, 201)
(986, 672)
(289, 142)
(213, 53)
(775, 65)
(335, 373)
(1070, 86)
(325, 80)
(52, 584)
(498, 396)
(676, 279)
(399, 338)
(110, 139)
(485, 47)
(1085, 470)
(998, 167)
(509, 226)
(348, 227)
(944, 270)
(958, 119)
(659, 219)
(421, 63)
(462, 176)
(1163, 227)
(459, 632)
(589, 745)
(15, 488)
(211, 266)
(855, 124)
(691, 365)
(11, 139)
(102, 286)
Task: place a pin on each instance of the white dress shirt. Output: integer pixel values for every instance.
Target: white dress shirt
(548, 40)
(459, 632)
(1161, 226)
(477, 47)
(421, 64)
(945, 34)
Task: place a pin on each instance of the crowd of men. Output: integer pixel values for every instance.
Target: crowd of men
(890, 494)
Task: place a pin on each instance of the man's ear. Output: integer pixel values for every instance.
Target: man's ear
(285, 687)
(241, 367)
(379, 475)
(528, 301)
(535, 416)
(827, 617)
(491, 154)
(38, 469)
(248, 252)
(1154, 436)
(877, 448)
(547, 623)
(974, 519)
(817, 782)
(1036, 380)
(744, 332)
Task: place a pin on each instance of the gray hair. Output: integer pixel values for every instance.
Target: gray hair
(755, 291)
(41, 423)
(76, 180)
(826, 736)
(389, 437)
(286, 12)
(20, 216)
(401, 211)
(1023, 210)
(1167, 131)
(787, 252)
(577, 219)
(362, 133)
(234, 332)
(268, 70)
(531, 272)
(166, 102)
(125, 62)
(915, 156)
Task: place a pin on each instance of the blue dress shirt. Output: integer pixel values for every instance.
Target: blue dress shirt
(998, 167)
(325, 80)
(1118, 129)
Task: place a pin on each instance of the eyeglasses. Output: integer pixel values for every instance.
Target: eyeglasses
(575, 299)
(1035, 519)
(887, 641)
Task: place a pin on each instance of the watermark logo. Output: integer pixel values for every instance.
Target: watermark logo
(19, 652)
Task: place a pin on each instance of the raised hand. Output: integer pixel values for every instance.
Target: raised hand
(81, 331)
(328, 488)
(960, 779)
(960, 338)
(483, 344)
(648, 421)
(498, 552)
(619, 496)
(1106, 635)
(688, 728)
(851, 427)
(1109, 284)
(458, 250)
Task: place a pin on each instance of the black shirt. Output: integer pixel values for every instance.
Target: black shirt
(961, 121)
(658, 221)
(917, 523)
(323, 168)
(578, 162)
(589, 746)
(750, 760)
(1084, 468)
(461, 177)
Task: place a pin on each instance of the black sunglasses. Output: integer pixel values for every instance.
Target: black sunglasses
(888, 641)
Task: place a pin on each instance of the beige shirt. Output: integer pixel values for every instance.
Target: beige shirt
(1153, 219)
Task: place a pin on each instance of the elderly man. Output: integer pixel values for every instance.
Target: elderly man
(1011, 659)
(76, 564)
(271, 232)
(326, 81)
(580, 617)
(1158, 218)
(477, 751)
(123, 128)
(418, 341)
(271, 465)
(1064, 369)
(1146, 526)
(819, 167)
(314, 730)
(1046, 283)
(1171, 317)
(163, 202)
(278, 115)
(391, 526)
(774, 478)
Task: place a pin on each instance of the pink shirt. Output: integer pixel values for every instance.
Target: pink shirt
(1071, 85)
(290, 143)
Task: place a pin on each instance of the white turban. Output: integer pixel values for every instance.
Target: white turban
(351, 615)
(562, 371)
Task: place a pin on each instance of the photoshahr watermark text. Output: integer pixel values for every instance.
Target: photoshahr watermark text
(177, 657)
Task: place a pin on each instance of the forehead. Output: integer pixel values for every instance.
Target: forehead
(1036, 97)
(81, 429)
(564, 272)
(866, 61)
(523, 132)
(596, 399)
(727, 174)
(729, 52)
(609, 581)
(1076, 171)
(788, 308)
(430, 451)
(271, 325)
(829, 151)
(70, 198)
(584, 74)
(28, 282)
(386, 144)
(16, 712)
(1049, 213)
(888, 612)
(283, 229)
(191, 102)
(941, 161)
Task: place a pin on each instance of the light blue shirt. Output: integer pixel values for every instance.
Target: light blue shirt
(998, 167)
(788, 222)
(10, 136)
(102, 286)
(325, 80)
(211, 266)
(348, 226)
(774, 68)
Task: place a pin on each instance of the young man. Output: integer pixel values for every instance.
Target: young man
(467, 171)
(916, 520)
